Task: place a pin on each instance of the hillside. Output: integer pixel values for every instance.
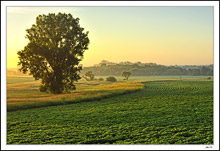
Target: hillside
(106, 68)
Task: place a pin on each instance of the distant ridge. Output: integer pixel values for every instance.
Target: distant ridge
(105, 68)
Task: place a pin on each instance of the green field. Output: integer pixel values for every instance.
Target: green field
(164, 110)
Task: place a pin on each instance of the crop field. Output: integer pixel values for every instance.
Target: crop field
(161, 112)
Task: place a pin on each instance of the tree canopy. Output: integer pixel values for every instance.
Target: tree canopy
(89, 76)
(56, 46)
(126, 74)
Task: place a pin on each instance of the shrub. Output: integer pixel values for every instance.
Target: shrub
(209, 78)
(111, 79)
(100, 79)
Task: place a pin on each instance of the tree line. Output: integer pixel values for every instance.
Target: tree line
(147, 69)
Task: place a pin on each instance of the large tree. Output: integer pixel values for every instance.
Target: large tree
(56, 46)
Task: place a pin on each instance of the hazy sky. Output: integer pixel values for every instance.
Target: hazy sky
(162, 35)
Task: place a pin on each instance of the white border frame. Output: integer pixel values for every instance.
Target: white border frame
(215, 4)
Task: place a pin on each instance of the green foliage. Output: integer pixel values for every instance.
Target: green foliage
(126, 74)
(89, 76)
(166, 112)
(43, 88)
(56, 46)
(111, 79)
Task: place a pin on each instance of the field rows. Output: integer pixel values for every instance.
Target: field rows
(150, 116)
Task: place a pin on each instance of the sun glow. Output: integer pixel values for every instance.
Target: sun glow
(163, 35)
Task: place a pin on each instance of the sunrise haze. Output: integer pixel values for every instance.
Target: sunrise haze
(163, 35)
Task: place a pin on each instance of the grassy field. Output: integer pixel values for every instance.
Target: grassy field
(23, 92)
(167, 111)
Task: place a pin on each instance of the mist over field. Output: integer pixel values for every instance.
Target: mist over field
(105, 68)
(110, 75)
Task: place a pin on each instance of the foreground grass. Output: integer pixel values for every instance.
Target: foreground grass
(23, 92)
(166, 112)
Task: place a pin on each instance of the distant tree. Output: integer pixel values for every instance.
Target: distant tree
(126, 75)
(89, 76)
(56, 46)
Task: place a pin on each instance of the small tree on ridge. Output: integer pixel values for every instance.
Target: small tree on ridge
(89, 76)
(126, 74)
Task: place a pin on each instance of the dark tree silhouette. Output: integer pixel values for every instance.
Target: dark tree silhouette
(56, 46)
(126, 75)
(89, 76)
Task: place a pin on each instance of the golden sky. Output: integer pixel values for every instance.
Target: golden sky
(162, 35)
